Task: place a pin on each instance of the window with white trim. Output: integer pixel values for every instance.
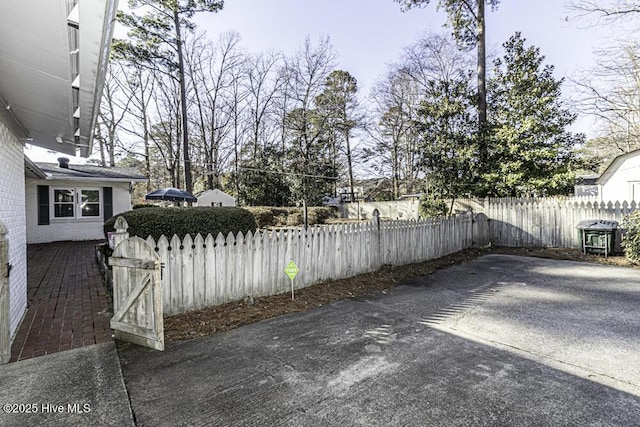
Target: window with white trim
(76, 203)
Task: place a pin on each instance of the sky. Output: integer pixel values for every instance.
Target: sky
(368, 35)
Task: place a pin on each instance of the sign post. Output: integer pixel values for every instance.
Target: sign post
(291, 270)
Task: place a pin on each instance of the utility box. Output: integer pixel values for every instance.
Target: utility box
(597, 236)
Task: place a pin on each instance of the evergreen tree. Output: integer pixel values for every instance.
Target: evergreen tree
(447, 130)
(261, 181)
(530, 149)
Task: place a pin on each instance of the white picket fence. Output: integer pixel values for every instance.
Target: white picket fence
(200, 272)
(206, 271)
(543, 222)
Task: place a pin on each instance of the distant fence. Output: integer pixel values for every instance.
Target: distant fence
(396, 209)
(209, 271)
(541, 222)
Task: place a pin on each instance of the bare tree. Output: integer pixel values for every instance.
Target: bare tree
(158, 38)
(610, 93)
(264, 84)
(137, 85)
(433, 61)
(307, 72)
(113, 110)
(606, 10)
(395, 101)
(165, 132)
(212, 69)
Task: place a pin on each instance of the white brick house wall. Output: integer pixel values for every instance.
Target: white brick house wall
(12, 215)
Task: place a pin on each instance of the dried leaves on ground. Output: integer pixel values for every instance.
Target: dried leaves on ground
(234, 314)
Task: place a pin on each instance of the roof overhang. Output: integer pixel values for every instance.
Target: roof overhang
(91, 179)
(53, 60)
(32, 170)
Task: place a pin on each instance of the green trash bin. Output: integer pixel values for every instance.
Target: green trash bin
(597, 236)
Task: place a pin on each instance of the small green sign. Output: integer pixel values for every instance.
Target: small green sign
(291, 270)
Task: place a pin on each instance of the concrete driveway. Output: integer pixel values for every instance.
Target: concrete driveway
(499, 341)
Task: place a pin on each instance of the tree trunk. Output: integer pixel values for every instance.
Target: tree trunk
(482, 84)
(395, 170)
(349, 165)
(188, 182)
(147, 154)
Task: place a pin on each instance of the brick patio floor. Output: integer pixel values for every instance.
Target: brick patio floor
(67, 306)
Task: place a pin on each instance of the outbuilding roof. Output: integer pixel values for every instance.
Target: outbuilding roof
(615, 164)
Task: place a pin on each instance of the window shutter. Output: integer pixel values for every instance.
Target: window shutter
(107, 193)
(43, 205)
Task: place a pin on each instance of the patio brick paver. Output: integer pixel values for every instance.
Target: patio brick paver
(67, 303)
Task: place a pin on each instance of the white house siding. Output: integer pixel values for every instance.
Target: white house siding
(620, 186)
(12, 215)
(68, 229)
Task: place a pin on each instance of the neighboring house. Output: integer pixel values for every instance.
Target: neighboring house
(621, 180)
(71, 202)
(586, 186)
(53, 60)
(215, 198)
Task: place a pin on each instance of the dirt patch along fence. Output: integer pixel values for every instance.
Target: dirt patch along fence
(206, 271)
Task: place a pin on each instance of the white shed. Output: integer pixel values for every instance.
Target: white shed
(215, 198)
(621, 180)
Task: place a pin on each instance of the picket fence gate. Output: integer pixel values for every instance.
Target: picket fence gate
(137, 290)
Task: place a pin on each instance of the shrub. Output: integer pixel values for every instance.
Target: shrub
(318, 215)
(631, 242)
(431, 207)
(263, 216)
(294, 219)
(270, 216)
(145, 222)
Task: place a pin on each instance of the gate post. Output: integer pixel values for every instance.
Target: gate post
(121, 234)
(5, 268)
(376, 223)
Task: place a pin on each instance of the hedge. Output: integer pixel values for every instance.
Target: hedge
(267, 216)
(155, 222)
